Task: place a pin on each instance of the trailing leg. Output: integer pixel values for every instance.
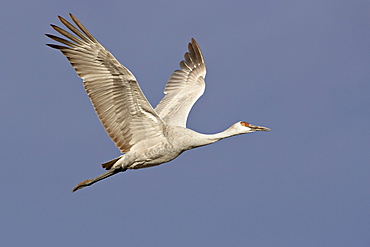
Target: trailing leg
(89, 182)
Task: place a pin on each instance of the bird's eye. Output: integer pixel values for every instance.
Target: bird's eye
(245, 124)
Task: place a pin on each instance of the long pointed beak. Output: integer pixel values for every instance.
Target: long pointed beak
(258, 128)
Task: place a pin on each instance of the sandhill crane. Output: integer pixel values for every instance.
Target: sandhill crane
(146, 136)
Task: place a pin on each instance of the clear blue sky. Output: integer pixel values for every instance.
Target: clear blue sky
(298, 67)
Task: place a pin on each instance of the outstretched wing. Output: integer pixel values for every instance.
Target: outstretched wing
(184, 88)
(121, 106)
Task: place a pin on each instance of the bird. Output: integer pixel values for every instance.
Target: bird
(146, 136)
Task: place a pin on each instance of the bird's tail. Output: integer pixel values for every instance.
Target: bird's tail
(108, 165)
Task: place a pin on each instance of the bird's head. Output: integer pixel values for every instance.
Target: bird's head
(244, 127)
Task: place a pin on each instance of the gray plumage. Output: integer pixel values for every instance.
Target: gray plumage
(146, 136)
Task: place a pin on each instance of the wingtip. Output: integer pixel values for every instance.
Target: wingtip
(70, 14)
(78, 23)
(72, 17)
(58, 47)
(194, 44)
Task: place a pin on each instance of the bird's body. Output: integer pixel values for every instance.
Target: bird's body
(146, 136)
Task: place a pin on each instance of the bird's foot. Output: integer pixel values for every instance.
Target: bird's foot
(82, 185)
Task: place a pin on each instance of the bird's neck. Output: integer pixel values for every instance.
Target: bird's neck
(196, 139)
(222, 135)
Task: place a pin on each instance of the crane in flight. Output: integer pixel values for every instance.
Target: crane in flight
(145, 135)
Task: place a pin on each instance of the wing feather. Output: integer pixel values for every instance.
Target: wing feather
(121, 106)
(184, 88)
